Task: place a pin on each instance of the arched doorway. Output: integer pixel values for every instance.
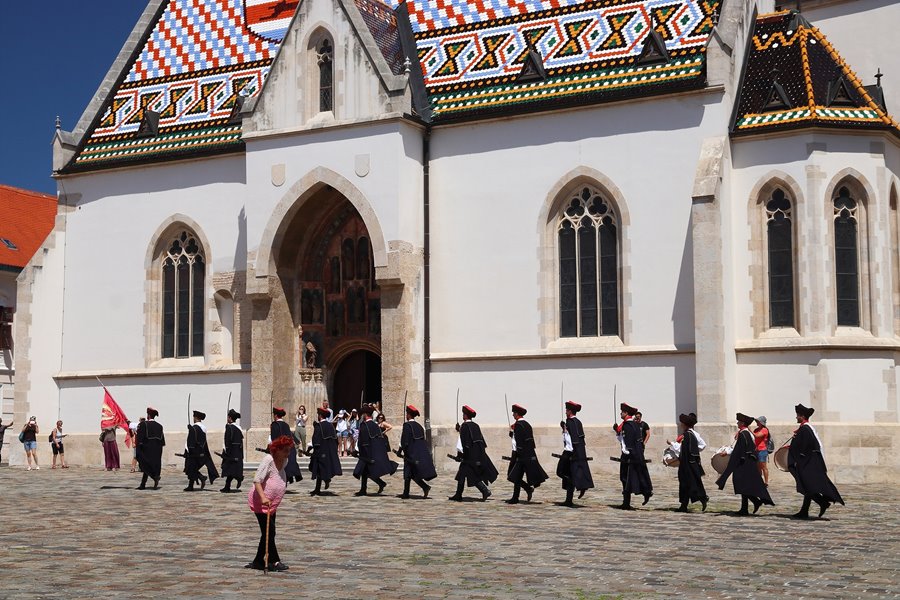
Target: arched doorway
(326, 268)
(357, 379)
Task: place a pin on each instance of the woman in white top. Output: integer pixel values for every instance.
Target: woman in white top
(56, 444)
(342, 427)
(300, 428)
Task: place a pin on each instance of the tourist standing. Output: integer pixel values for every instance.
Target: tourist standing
(110, 448)
(761, 435)
(3, 429)
(56, 445)
(300, 427)
(29, 440)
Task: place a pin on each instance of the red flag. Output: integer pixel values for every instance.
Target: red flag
(112, 415)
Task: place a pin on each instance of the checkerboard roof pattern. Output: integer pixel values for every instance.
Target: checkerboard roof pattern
(192, 66)
(472, 51)
(815, 86)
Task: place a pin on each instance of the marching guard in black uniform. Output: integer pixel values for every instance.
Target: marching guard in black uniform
(633, 471)
(233, 453)
(690, 469)
(324, 462)
(745, 476)
(524, 469)
(150, 440)
(196, 454)
(278, 429)
(806, 463)
(418, 465)
(572, 467)
(373, 454)
(475, 466)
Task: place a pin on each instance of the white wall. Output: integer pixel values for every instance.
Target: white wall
(490, 182)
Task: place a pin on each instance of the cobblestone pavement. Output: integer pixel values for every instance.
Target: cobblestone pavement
(87, 533)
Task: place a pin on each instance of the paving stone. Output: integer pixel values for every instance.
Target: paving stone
(86, 533)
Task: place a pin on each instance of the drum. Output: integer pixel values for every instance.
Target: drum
(780, 458)
(719, 462)
(670, 458)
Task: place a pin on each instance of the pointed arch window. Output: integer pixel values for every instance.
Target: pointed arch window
(183, 279)
(846, 258)
(324, 58)
(779, 231)
(587, 234)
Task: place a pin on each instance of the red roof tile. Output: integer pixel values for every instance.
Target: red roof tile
(26, 219)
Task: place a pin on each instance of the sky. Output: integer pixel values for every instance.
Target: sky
(53, 56)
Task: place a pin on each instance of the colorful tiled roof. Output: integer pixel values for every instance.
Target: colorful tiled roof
(199, 57)
(26, 218)
(473, 51)
(382, 22)
(794, 78)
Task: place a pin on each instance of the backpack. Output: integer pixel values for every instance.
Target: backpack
(770, 444)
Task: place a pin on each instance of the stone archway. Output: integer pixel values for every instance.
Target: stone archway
(294, 301)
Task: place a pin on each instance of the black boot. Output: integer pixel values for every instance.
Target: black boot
(318, 490)
(517, 489)
(682, 508)
(425, 487)
(227, 488)
(569, 494)
(756, 504)
(485, 492)
(362, 488)
(529, 490)
(823, 505)
(202, 482)
(704, 502)
(238, 486)
(646, 498)
(626, 501)
(143, 485)
(381, 483)
(405, 494)
(457, 497)
(745, 503)
(804, 510)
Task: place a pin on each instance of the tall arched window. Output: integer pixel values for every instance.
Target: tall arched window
(588, 266)
(183, 281)
(846, 258)
(324, 58)
(779, 226)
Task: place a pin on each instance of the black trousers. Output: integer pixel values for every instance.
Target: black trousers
(261, 551)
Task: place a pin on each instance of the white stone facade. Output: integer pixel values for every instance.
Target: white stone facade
(692, 284)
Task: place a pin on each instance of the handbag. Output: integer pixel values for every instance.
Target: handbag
(22, 436)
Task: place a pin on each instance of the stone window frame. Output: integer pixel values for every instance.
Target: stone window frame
(548, 250)
(318, 34)
(153, 292)
(862, 192)
(758, 246)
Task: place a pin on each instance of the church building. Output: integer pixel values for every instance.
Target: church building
(687, 205)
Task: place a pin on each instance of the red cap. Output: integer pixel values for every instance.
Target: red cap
(628, 410)
(573, 406)
(278, 412)
(323, 412)
(412, 410)
(519, 409)
(468, 410)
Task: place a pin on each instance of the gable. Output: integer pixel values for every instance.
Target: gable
(188, 70)
(793, 78)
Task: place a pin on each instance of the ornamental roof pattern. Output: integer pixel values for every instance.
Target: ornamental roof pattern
(473, 51)
(191, 68)
(793, 78)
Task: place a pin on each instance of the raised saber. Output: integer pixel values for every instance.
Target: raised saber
(506, 402)
(228, 410)
(457, 409)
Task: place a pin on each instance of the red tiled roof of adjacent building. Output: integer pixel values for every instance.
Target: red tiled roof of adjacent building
(26, 219)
